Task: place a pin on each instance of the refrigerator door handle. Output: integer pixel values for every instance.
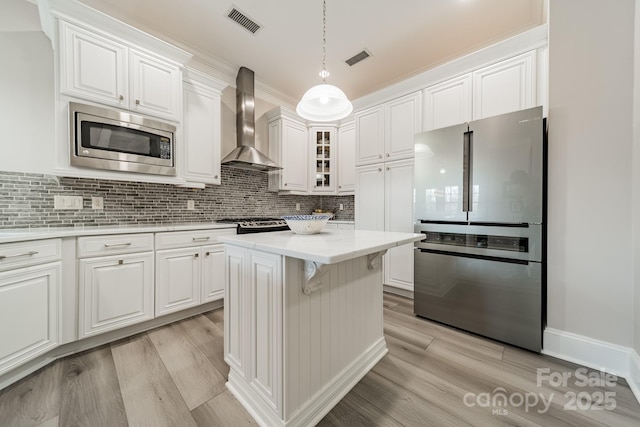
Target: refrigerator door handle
(467, 172)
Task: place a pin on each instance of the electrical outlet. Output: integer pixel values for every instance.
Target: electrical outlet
(97, 203)
(191, 205)
(67, 202)
(297, 206)
(341, 206)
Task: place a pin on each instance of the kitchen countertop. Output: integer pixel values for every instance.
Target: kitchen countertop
(326, 247)
(24, 234)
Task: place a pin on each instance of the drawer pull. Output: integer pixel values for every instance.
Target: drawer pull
(120, 261)
(201, 239)
(30, 253)
(115, 245)
(196, 255)
(207, 253)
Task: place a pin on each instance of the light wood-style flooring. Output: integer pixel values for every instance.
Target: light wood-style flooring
(432, 376)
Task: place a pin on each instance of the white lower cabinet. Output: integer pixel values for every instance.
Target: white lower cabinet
(115, 282)
(177, 279)
(383, 202)
(29, 313)
(189, 269)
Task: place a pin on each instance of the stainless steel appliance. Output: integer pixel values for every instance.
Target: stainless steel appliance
(257, 225)
(246, 155)
(102, 138)
(479, 201)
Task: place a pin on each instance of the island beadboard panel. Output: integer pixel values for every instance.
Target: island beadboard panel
(27, 200)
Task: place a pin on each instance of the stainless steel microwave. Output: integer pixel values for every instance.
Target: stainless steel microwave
(117, 140)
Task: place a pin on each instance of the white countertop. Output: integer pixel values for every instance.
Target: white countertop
(24, 234)
(326, 247)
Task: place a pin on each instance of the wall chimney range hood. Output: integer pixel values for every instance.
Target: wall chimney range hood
(245, 155)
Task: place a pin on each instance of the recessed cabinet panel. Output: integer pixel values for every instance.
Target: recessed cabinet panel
(448, 103)
(212, 273)
(370, 135)
(115, 291)
(403, 120)
(235, 321)
(346, 158)
(369, 199)
(505, 87)
(177, 279)
(155, 86)
(201, 130)
(29, 313)
(96, 67)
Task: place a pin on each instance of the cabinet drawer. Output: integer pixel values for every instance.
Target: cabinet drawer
(114, 244)
(181, 239)
(23, 254)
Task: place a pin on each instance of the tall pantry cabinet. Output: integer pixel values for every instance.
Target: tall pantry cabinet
(384, 178)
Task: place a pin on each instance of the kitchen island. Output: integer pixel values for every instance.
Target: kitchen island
(303, 319)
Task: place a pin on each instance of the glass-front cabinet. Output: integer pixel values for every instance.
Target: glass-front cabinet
(323, 165)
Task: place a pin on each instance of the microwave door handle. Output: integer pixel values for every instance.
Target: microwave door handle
(467, 172)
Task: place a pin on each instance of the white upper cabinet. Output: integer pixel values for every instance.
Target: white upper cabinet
(385, 132)
(93, 67)
(403, 120)
(370, 135)
(322, 152)
(288, 148)
(201, 129)
(504, 87)
(97, 68)
(347, 158)
(448, 103)
(155, 86)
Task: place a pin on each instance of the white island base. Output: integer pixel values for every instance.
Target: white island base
(301, 331)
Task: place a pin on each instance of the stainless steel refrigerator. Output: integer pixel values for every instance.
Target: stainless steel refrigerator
(479, 201)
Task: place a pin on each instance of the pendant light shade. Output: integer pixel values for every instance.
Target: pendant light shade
(324, 102)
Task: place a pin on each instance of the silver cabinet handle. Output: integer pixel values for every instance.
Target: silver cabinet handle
(379, 169)
(207, 253)
(379, 156)
(120, 261)
(196, 255)
(137, 102)
(201, 239)
(387, 168)
(285, 184)
(215, 177)
(30, 253)
(121, 98)
(388, 155)
(115, 245)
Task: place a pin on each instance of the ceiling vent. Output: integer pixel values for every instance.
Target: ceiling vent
(358, 57)
(244, 21)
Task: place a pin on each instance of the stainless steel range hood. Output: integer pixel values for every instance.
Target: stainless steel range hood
(245, 155)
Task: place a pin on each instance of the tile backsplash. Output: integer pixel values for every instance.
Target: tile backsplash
(27, 200)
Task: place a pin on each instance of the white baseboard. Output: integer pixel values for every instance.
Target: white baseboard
(601, 355)
(398, 291)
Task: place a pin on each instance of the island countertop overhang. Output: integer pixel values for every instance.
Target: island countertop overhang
(326, 247)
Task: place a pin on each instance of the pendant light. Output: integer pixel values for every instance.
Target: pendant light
(324, 102)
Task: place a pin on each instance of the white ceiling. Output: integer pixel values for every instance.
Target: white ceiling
(405, 37)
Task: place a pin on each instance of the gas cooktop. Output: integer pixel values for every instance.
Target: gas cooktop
(257, 224)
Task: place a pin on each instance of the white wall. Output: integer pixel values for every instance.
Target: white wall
(590, 270)
(26, 90)
(636, 183)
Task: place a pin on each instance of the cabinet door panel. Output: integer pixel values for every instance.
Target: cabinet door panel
(177, 279)
(212, 273)
(201, 126)
(29, 313)
(448, 103)
(347, 159)
(155, 87)
(323, 159)
(114, 291)
(95, 67)
(504, 87)
(398, 183)
(235, 321)
(294, 156)
(370, 136)
(369, 199)
(403, 120)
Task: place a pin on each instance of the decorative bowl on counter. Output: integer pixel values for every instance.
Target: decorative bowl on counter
(306, 224)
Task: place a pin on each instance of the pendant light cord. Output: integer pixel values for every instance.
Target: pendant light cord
(324, 73)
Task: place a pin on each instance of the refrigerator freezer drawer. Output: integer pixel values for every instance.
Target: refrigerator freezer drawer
(495, 298)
